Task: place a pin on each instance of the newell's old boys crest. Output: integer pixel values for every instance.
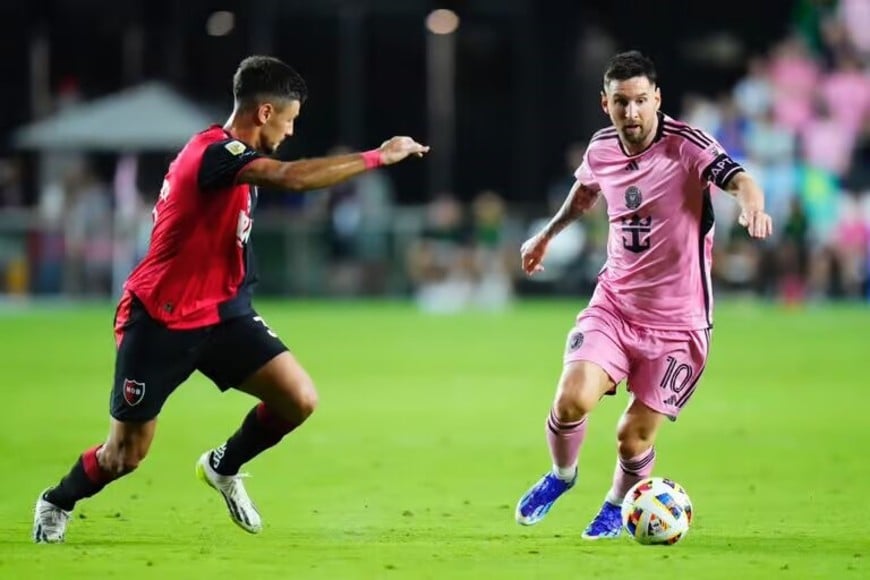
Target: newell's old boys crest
(633, 198)
(576, 341)
(134, 392)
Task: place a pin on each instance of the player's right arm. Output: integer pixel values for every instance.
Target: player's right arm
(307, 174)
(580, 199)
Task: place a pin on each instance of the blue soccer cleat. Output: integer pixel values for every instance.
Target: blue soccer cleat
(536, 503)
(607, 524)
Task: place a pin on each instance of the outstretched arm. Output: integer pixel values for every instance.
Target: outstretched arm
(751, 199)
(579, 200)
(321, 172)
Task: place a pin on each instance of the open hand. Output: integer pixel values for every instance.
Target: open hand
(757, 223)
(398, 148)
(532, 253)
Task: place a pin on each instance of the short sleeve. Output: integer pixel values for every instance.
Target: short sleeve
(584, 174)
(222, 161)
(709, 159)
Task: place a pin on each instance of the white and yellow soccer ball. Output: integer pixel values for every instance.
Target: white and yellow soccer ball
(657, 511)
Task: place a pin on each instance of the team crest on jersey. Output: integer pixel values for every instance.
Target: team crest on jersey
(134, 392)
(633, 198)
(576, 341)
(235, 147)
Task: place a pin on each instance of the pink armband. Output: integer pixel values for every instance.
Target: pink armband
(372, 158)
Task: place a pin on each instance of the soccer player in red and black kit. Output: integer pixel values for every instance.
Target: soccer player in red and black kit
(187, 305)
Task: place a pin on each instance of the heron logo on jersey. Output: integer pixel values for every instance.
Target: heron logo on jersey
(633, 197)
(576, 341)
(134, 392)
(635, 226)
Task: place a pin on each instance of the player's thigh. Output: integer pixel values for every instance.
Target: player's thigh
(595, 360)
(581, 386)
(247, 355)
(668, 368)
(150, 362)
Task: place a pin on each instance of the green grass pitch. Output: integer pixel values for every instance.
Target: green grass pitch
(429, 430)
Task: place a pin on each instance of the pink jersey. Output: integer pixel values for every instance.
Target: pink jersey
(660, 244)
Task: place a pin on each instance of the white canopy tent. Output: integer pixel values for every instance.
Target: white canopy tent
(148, 117)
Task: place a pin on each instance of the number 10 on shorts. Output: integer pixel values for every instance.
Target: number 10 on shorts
(677, 376)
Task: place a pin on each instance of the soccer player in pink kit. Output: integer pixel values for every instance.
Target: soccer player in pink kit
(650, 317)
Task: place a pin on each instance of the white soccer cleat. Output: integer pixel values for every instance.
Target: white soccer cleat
(49, 522)
(242, 510)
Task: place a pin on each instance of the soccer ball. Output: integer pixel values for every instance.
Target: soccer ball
(657, 511)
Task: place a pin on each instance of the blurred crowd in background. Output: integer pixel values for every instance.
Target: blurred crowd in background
(799, 120)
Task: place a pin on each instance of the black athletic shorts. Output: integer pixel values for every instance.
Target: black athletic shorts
(152, 360)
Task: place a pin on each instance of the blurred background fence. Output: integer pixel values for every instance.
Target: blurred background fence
(100, 95)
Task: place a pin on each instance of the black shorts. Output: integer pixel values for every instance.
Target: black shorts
(152, 360)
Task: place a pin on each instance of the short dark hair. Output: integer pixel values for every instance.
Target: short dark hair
(260, 77)
(627, 65)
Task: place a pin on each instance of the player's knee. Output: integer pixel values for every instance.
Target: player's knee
(580, 389)
(297, 401)
(632, 439)
(573, 401)
(307, 400)
(569, 407)
(629, 448)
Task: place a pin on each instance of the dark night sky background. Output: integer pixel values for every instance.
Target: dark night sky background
(518, 102)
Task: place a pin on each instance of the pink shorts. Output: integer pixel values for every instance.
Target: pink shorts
(662, 367)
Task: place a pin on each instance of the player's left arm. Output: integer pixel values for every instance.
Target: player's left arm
(718, 167)
(751, 199)
(318, 173)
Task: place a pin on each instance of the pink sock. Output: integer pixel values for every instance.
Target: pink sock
(630, 471)
(565, 440)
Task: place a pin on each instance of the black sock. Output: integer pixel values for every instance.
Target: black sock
(260, 430)
(85, 479)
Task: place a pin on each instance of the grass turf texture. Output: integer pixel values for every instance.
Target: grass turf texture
(429, 430)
